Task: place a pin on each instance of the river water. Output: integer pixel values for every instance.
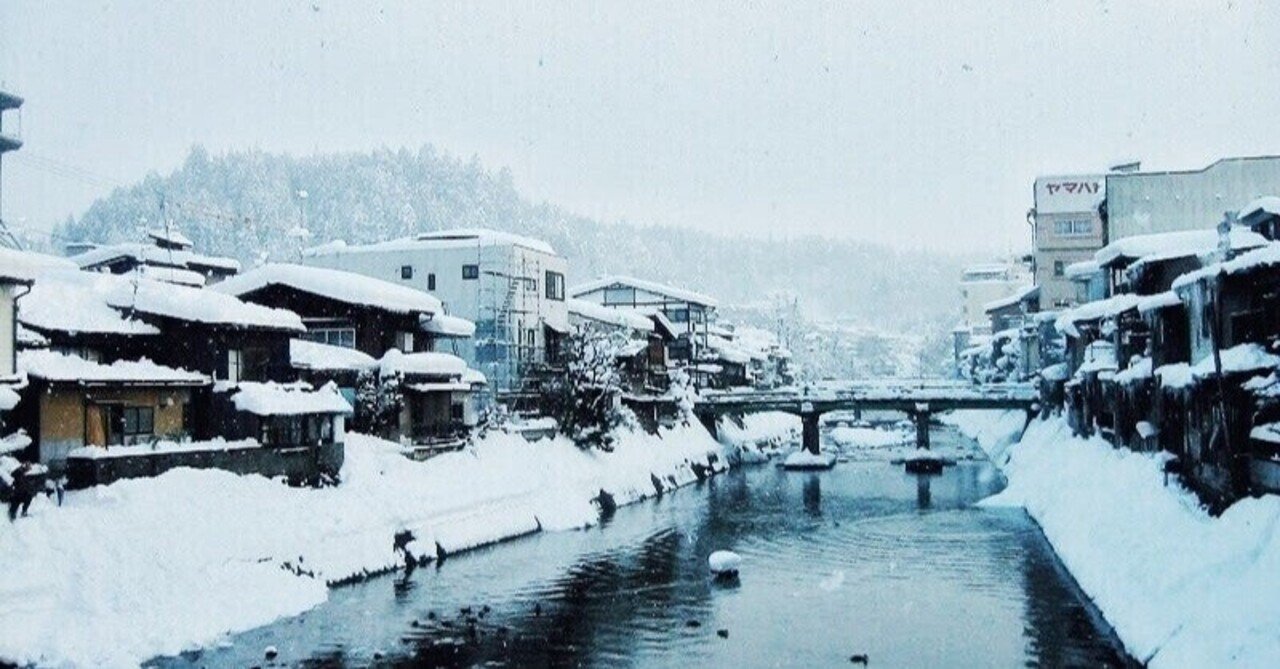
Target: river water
(864, 559)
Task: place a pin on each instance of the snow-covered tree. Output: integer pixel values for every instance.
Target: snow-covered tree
(379, 401)
(587, 399)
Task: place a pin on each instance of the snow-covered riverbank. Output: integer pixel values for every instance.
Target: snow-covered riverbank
(149, 567)
(1180, 587)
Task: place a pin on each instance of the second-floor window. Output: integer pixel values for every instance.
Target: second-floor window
(555, 286)
(431, 281)
(406, 272)
(1059, 268)
(470, 272)
(404, 341)
(344, 337)
(1075, 227)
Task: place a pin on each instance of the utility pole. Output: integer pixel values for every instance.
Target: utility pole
(7, 143)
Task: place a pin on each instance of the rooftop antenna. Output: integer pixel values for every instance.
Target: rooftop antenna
(8, 143)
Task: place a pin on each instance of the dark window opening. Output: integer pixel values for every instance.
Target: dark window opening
(406, 272)
(555, 286)
(431, 281)
(470, 272)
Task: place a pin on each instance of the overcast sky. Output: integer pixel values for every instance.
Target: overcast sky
(912, 123)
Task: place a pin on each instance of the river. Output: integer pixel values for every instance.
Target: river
(863, 560)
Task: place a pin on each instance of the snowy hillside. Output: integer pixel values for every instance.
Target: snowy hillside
(246, 204)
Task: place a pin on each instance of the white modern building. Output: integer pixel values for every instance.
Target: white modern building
(1143, 203)
(983, 284)
(511, 287)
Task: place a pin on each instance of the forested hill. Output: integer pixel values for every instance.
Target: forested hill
(247, 204)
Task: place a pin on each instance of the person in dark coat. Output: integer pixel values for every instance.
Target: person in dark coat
(22, 492)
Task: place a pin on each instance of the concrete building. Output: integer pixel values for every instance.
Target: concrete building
(1069, 228)
(981, 285)
(511, 287)
(1142, 203)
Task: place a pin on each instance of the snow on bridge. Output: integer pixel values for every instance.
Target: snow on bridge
(919, 398)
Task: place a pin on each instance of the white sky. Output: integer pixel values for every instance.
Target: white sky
(915, 124)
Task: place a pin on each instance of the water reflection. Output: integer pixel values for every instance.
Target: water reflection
(836, 563)
(924, 497)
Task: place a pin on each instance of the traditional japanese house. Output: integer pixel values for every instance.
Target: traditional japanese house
(352, 310)
(640, 341)
(150, 353)
(1233, 312)
(1166, 319)
(1262, 216)
(358, 327)
(691, 312)
(71, 402)
(168, 256)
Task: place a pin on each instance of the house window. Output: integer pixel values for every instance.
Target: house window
(530, 285)
(404, 341)
(344, 337)
(254, 364)
(1077, 227)
(133, 425)
(679, 315)
(431, 281)
(234, 362)
(406, 272)
(555, 286)
(1059, 268)
(470, 272)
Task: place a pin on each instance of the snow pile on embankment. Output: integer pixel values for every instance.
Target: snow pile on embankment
(1181, 588)
(150, 567)
(759, 435)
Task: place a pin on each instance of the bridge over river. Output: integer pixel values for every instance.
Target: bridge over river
(918, 398)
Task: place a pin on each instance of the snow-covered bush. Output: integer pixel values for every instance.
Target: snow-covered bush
(379, 402)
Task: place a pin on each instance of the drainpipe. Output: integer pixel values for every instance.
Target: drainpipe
(14, 352)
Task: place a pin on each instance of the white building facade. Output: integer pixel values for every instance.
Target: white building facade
(511, 287)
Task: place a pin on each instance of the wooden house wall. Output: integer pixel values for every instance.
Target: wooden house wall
(375, 328)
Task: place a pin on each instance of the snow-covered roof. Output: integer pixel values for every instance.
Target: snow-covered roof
(1248, 357)
(199, 306)
(1099, 356)
(288, 399)
(457, 238)
(1019, 295)
(182, 277)
(312, 355)
(171, 236)
(61, 367)
(153, 255)
(1137, 370)
(1055, 372)
(218, 444)
(474, 377)
(26, 266)
(1267, 256)
(430, 363)
(671, 292)
(1081, 270)
(1267, 204)
(1112, 306)
(1165, 245)
(444, 325)
(620, 317)
(8, 398)
(1150, 303)
(346, 287)
(72, 301)
(439, 386)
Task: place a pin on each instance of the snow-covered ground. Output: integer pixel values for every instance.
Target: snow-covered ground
(148, 567)
(1180, 587)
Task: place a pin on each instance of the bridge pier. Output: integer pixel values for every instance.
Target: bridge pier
(809, 432)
